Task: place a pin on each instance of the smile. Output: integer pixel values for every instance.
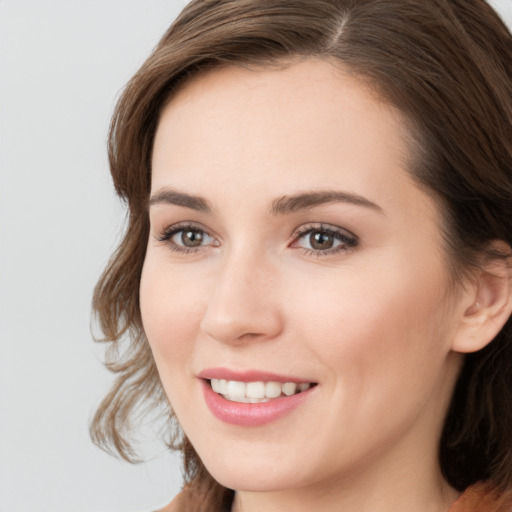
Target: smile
(256, 392)
(253, 398)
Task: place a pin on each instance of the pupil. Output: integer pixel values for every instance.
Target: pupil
(192, 238)
(321, 240)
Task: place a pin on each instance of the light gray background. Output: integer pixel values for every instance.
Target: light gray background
(62, 65)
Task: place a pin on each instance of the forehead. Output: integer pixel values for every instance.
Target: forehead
(308, 124)
(305, 95)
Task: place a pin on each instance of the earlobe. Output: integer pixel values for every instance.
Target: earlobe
(490, 305)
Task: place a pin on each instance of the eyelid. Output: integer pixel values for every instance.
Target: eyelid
(349, 240)
(322, 226)
(167, 233)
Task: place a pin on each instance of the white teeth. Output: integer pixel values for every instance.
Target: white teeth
(272, 389)
(237, 399)
(220, 386)
(223, 386)
(258, 400)
(255, 392)
(236, 388)
(289, 388)
(246, 400)
(255, 389)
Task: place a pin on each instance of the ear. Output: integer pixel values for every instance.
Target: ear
(486, 304)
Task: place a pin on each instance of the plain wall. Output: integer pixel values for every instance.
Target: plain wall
(62, 65)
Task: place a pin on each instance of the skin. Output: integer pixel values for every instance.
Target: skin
(374, 323)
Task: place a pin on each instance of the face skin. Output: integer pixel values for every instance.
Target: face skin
(371, 319)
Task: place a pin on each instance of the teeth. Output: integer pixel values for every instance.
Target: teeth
(246, 400)
(223, 386)
(289, 388)
(255, 392)
(220, 386)
(255, 389)
(258, 400)
(272, 389)
(236, 388)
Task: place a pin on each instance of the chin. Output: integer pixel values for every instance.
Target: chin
(249, 480)
(253, 473)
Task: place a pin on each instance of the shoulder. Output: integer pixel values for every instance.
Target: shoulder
(483, 497)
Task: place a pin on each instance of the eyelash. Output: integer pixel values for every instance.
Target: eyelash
(348, 240)
(168, 233)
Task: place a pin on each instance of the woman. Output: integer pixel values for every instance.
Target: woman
(316, 275)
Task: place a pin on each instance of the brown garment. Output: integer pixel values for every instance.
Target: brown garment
(482, 498)
(477, 498)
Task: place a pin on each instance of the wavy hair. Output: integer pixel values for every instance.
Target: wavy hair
(447, 66)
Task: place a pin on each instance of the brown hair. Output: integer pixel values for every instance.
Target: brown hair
(447, 65)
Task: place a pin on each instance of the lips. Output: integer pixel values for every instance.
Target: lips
(252, 398)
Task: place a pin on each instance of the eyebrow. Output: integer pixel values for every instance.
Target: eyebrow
(280, 206)
(171, 196)
(307, 200)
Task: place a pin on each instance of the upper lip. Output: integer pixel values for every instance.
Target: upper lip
(248, 376)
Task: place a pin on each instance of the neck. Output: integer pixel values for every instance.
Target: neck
(370, 494)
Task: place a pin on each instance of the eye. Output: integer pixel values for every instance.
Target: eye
(324, 239)
(190, 237)
(186, 237)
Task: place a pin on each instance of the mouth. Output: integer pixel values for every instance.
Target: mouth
(252, 398)
(256, 392)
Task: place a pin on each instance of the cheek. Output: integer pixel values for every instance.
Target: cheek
(171, 311)
(382, 324)
(377, 339)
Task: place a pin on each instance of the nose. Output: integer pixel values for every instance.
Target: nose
(243, 305)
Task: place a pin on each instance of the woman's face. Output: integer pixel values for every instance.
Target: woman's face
(288, 244)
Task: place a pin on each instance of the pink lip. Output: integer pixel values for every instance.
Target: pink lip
(251, 415)
(247, 376)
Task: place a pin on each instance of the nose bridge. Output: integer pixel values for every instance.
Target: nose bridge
(242, 301)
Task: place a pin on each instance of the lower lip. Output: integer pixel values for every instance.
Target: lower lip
(251, 415)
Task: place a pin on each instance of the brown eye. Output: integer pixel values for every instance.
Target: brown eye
(326, 240)
(191, 238)
(187, 238)
(320, 240)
